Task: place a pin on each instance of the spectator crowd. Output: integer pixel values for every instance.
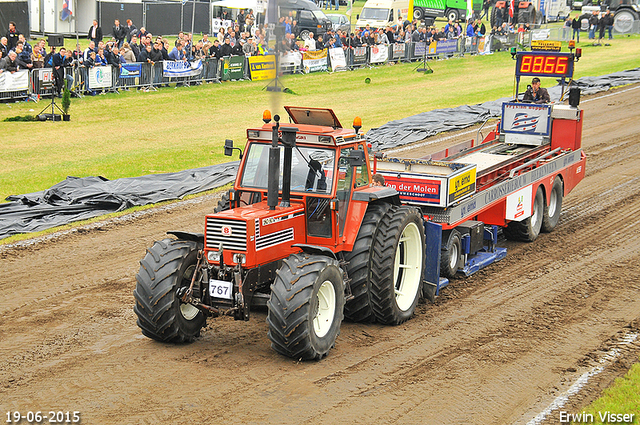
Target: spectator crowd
(242, 36)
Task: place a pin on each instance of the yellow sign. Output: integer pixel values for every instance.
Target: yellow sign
(432, 47)
(462, 185)
(546, 45)
(262, 67)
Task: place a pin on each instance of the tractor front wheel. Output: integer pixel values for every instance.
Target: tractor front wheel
(306, 306)
(168, 266)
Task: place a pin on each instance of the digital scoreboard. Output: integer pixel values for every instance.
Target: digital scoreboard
(544, 64)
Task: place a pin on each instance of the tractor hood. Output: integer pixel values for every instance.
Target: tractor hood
(257, 233)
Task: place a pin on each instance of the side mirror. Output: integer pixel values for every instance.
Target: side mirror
(358, 16)
(228, 147)
(356, 158)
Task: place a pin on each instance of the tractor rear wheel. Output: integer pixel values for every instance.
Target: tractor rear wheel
(551, 214)
(223, 203)
(168, 266)
(359, 309)
(494, 15)
(306, 306)
(528, 229)
(623, 20)
(397, 265)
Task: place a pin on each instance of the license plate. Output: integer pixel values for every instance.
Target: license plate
(221, 289)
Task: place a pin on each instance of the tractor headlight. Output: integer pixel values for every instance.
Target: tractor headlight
(213, 256)
(253, 134)
(239, 258)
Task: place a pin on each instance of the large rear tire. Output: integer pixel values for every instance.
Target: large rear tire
(168, 265)
(528, 229)
(306, 306)
(418, 14)
(397, 265)
(494, 15)
(359, 309)
(551, 214)
(623, 20)
(223, 204)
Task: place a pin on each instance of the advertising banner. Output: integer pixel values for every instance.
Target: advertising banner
(524, 118)
(181, 68)
(546, 45)
(432, 48)
(100, 77)
(233, 68)
(262, 67)
(419, 49)
(314, 61)
(462, 185)
(217, 23)
(484, 46)
(359, 56)
(397, 51)
(19, 80)
(291, 60)
(130, 70)
(45, 77)
(379, 53)
(447, 46)
(416, 189)
(336, 56)
(519, 204)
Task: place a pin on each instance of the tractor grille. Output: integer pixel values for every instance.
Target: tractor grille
(218, 231)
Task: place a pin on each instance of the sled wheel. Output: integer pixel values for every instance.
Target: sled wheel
(528, 229)
(551, 214)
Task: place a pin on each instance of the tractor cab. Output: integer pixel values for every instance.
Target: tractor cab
(296, 187)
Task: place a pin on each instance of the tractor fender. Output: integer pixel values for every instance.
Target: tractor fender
(501, 4)
(523, 4)
(188, 236)
(387, 194)
(316, 249)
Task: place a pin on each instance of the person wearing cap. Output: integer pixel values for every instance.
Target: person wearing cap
(535, 93)
(226, 48)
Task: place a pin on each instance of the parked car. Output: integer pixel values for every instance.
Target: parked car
(339, 22)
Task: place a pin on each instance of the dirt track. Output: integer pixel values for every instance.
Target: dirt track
(495, 348)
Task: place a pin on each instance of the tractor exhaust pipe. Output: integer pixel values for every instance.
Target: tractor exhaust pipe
(274, 166)
(289, 141)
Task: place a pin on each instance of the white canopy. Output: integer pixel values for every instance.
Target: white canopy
(237, 4)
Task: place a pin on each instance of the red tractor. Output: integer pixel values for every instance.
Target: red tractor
(301, 232)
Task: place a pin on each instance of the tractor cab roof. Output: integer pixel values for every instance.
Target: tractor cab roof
(315, 126)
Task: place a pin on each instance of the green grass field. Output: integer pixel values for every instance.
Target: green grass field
(622, 397)
(136, 133)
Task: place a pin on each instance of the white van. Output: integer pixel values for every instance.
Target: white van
(380, 13)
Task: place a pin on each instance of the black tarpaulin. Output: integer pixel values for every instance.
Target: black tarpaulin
(80, 198)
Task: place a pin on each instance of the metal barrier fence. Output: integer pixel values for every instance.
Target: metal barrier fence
(150, 76)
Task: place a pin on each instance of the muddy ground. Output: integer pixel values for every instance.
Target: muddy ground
(497, 347)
